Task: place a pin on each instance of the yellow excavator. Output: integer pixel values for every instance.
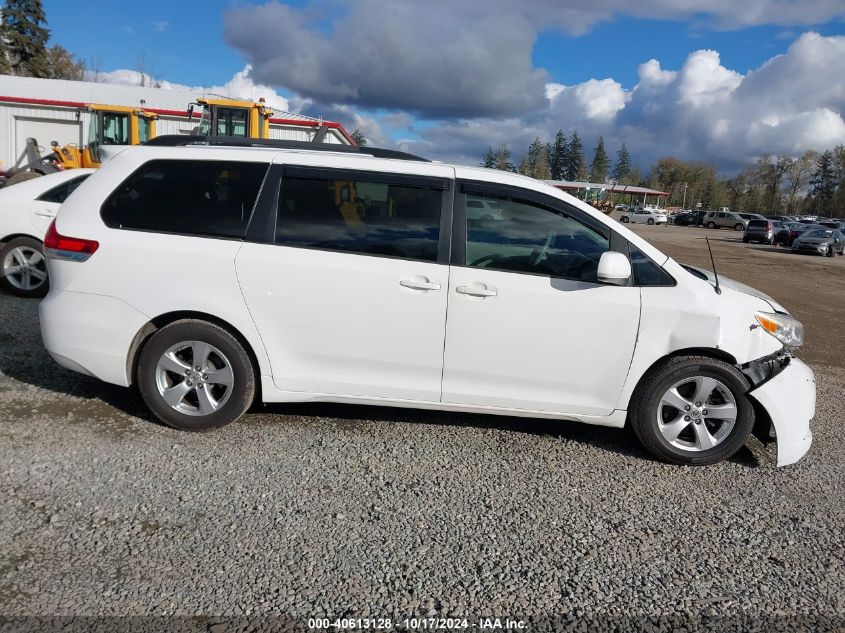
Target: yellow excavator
(109, 125)
(230, 117)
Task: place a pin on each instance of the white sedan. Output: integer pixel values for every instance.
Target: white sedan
(26, 210)
(645, 216)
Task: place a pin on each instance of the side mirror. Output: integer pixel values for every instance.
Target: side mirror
(614, 268)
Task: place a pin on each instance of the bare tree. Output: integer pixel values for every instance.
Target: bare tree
(95, 64)
(798, 175)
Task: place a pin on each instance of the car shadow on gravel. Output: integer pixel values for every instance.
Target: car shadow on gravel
(101, 398)
(616, 440)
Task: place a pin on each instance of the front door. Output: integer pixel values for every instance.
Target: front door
(529, 325)
(350, 299)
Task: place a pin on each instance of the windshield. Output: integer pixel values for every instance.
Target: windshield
(205, 122)
(115, 128)
(819, 233)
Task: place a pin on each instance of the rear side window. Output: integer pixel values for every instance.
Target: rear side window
(188, 197)
(758, 224)
(369, 217)
(59, 193)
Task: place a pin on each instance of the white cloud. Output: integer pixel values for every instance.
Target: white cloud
(160, 26)
(702, 111)
(240, 86)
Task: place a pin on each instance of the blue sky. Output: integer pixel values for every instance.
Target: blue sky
(500, 72)
(183, 42)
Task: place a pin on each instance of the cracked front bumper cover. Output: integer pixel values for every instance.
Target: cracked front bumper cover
(790, 400)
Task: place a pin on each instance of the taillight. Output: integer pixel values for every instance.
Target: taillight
(72, 249)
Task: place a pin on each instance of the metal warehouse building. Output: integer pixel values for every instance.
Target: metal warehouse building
(54, 110)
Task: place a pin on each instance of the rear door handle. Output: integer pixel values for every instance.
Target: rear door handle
(419, 283)
(476, 290)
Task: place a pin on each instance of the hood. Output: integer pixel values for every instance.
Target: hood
(727, 282)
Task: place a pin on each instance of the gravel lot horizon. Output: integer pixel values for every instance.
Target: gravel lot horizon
(302, 511)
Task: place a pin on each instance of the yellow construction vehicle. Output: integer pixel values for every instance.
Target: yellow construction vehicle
(109, 125)
(230, 117)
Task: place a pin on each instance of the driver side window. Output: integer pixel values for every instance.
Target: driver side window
(509, 234)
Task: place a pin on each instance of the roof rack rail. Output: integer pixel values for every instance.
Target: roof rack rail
(179, 140)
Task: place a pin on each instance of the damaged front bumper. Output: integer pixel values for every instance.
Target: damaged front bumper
(785, 392)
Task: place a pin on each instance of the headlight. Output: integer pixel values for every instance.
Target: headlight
(783, 327)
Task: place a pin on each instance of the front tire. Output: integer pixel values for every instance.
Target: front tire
(692, 410)
(739, 227)
(651, 220)
(624, 219)
(23, 269)
(195, 376)
(711, 225)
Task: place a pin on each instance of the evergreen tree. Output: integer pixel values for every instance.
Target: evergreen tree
(5, 69)
(359, 138)
(557, 156)
(533, 154)
(489, 159)
(622, 168)
(575, 158)
(823, 183)
(601, 164)
(541, 164)
(503, 159)
(25, 36)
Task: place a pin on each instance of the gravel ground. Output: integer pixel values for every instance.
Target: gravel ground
(111, 521)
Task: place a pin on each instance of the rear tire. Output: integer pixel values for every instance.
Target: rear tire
(699, 439)
(711, 225)
(23, 269)
(220, 391)
(745, 240)
(624, 219)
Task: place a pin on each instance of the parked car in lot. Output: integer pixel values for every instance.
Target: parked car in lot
(26, 210)
(648, 215)
(684, 219)
(782, 234)
(724, 220)
(820, 241)
(760, 231)
(831, 224)
(358, 275)
(751, 216)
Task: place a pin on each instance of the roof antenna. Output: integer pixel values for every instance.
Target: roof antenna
(713, 263)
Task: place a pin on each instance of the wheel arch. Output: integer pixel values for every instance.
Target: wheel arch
(154, 325)
(15, 236)
(710, 352)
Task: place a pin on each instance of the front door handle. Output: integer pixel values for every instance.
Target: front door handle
(419, 283)
(46, 213)
(476, 290)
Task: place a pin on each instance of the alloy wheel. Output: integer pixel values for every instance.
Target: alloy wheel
(697, 413)
(25, 268)
(194, 378)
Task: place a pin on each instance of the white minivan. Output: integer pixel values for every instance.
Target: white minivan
(211, 276)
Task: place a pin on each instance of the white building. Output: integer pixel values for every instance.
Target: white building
(54, 110)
